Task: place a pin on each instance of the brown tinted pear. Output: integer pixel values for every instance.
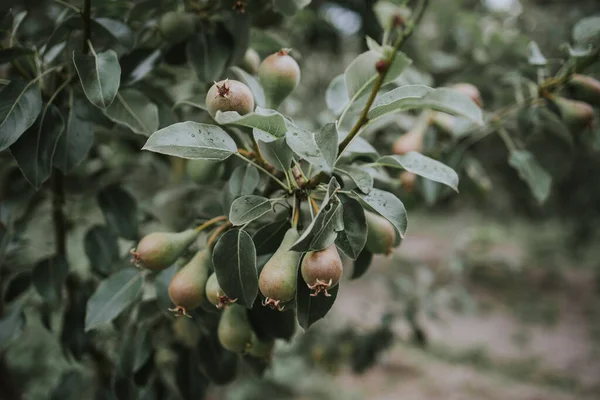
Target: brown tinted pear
(159, 250)
(585, 88)
(215, 294)
(277, 281)
(234, 331)
(577, 115)
(229, 95)
(187, 287)
(470, 90)
(381, 234)
(322, 270)
(279, 75)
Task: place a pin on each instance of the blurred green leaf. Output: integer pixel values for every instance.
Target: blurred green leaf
(11, 53)
(112, 297)
(76, 141)
(587, 31)
(102, 249)
(10, 324)
(192, 140)
(100, 75)
(208, 55)
(134, 110)
(234, 260)
(48, 278)
(538, 180)
(20, 105)
(289, 7)
(423, 166)
(120, 211)
(361, 264)
(336, 95)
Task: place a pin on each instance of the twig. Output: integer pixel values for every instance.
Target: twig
(283, 185)
(87, 25)
(215, 235)
(210, 222)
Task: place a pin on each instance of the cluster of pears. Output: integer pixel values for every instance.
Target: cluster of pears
(196, 283)
(576, 109)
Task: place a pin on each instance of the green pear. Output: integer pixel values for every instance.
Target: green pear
(187, 287)
(159, 250)
(381, 234)
(234, 331)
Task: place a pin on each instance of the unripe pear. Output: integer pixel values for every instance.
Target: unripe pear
(576, 114)
(322, 269)
(251, 61)
(408, 180)
(229, 95)
(585, 88)
(261, 349)
(470, 90)
(159, 250)
(215, 295)
(234, 331)
(381, 234)
(176, 26)
(187, 287)
(279, 75)
(410, 141)
(277, 281)
(204, 171)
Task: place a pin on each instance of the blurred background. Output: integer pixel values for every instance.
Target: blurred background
(493, 294)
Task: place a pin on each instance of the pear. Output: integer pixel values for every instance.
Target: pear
(229, 95)
(160, 250)
(585, 88)
(251, 61)
(577, 115)
(204, 171)
(381, 234)
(322, 269)
(215, 294)
(187, 287)
(261, 348)
(176, 26)
(279, 75)
(277, 281)
(234, 331)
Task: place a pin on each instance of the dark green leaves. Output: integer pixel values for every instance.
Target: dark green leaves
(134, 110)
(208, 54)
(324, 229)
(352, 239)
(243, 180)
(389, 206)
(48, 278)
(192, 140)
(423, 166)
(112, 296)
(234, 259)
(310, 309)
(277, 153)
(12, 53)
(319, 148)
(76, 140)
(120, 211)
(248, 208)
(100, 75)
(537, 178)
(35, 148)
(102, 249)
(20, 105)
(268, 238)
(362, 264)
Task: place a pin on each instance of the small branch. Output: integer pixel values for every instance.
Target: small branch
(215, 235)
(58, 217)
(68, 5)
(283, 185)
(87, 25)
(314, 205)
(210, 222)
(363, 118)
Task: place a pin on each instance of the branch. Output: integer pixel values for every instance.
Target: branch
(87, 25)
(382, 68)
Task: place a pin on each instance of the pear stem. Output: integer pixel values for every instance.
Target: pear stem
(213, 238)
(210, 222)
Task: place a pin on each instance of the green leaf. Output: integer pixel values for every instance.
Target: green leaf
(48, 277)
(248, 208)
(120, 211)
(289, 7)
(234, 259)
(423, 166)
(359, 148)
(362, 264)
(12, 322)
(319, 148)
(336, 95)
(419, 96)
(192, 140)
(12, 53)
(136, 65)
(269, 124)
(535, 55)
(352, 239)
(538, 180)
(20, 105)
(76, 141)
(134, 110)
(268, 238)
(323, 230)
(35, 148)
(587, 31)
(117, 30)
(253, 84)
(277, 153)
(361, 177)
(101, 248)
(112, 296)
(390, 207)
(361, 73)
(312, 308)
(208, 54)
(100, 75)
(243, 180)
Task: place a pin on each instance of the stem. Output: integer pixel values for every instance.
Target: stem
(510, 144)
(213, 238)
(58, 217)
(210, 222)
(87, 25)
(363, 118)
(314, 205)
(296, 211)
(283, 185)
(259, 158)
